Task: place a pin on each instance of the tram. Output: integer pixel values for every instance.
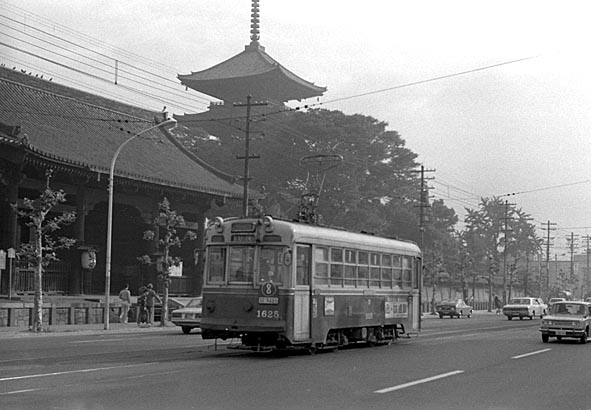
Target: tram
(275, 284)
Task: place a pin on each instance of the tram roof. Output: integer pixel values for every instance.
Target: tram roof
(341, 237)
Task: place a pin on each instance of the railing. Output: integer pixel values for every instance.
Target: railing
(54, 279)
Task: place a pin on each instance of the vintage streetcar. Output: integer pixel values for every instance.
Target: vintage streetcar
(275, 284)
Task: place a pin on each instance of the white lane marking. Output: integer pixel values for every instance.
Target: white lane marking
(96, 369)
(428, 379)
(531, 353)
(19, 391)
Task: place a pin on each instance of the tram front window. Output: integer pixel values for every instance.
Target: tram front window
(272, 266)
(241, 264)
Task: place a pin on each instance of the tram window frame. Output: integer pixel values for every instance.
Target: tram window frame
(363, 269)
(397, 271)
(336, 267)
(350, 268)
(375, 262)
(272, 257)
(303, 265)
(235, 264)
(220, 263)
(406, 272)
(386, 271)
(321, 265)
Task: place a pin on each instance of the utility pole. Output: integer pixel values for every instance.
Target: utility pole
(585, 290)
(571, 243)
(424, 203)
(247, 157)
(506, 231)
(547, 278)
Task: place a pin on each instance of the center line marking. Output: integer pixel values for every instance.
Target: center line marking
(532, 353)
(428, 379)
(32, 376)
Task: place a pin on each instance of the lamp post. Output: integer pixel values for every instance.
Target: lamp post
(110, 216)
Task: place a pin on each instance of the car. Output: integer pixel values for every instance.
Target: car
(525, 307)
(453, 307)
(567, 319)
(553, 301)
(188, 317)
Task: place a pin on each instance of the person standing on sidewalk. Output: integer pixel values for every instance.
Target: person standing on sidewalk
(498, 305)
(141, 306)
(151, 296)
(125, 296)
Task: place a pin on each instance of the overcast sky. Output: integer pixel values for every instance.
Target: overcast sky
(521, 127)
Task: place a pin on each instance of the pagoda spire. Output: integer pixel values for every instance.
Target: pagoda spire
(254, 23)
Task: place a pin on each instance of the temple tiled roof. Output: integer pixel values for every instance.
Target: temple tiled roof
(83, 130)
(252, 72)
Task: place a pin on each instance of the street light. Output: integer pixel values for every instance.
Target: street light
(110, 216)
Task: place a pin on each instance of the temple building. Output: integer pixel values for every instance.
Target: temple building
(45, 126)
(252, 73)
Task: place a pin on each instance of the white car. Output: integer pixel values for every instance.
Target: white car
(567, 319)
(525, 307)
(188, 317)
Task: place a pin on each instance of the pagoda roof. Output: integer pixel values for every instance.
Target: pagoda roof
(82, 130)
(252, 72)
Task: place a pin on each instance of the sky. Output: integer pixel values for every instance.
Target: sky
(495, 97)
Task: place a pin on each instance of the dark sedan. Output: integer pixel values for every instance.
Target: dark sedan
(453, 308)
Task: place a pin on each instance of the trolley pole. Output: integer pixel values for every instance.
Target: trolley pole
(247, 155)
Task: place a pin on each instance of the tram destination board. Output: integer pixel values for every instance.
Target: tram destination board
(268, 300)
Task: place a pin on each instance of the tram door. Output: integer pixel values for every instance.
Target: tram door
(301, 318)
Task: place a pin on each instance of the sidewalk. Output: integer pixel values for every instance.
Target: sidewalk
(93, 329)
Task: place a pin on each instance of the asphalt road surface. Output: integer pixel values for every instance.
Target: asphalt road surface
(484, 362)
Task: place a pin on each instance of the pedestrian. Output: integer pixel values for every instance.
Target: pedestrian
(125, 296)
(151, 296)
(498, 305)
(141, 306)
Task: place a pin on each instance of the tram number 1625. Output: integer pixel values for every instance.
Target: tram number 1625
(268, 314)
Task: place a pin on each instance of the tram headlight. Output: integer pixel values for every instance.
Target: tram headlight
(218, 224)
(268, 223)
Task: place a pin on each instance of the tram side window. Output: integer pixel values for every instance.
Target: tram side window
(216, 261)
(336, 266)
(386, 271)
(374, 270)
(350, 267)
(406, 272)
(397, 271)
(321, 265)
(363, 269)
(241, 264)
(303, 265)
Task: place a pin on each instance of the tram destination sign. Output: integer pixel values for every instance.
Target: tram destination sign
(267, 300)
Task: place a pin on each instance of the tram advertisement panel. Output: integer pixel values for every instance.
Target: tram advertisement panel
(396, 307)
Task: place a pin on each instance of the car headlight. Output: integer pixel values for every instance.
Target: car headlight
(546, 323)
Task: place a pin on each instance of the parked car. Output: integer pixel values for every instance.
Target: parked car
(567, 319)
(188, 317)
(553, 301)
(525, 307)
(451, 308)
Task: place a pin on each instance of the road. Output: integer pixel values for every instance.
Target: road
(485, 362)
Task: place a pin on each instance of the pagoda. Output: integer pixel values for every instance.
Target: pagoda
(252, 73)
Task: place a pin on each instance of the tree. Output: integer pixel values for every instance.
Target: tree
(42, 251)
(166, 224)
